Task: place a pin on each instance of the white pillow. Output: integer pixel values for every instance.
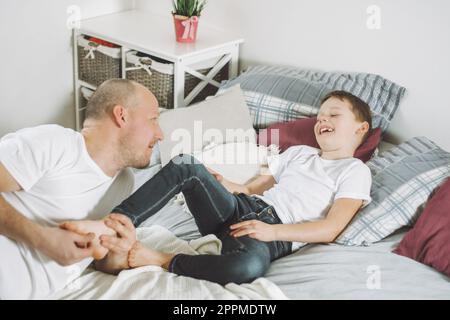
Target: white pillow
(238, 162)
(221, 119)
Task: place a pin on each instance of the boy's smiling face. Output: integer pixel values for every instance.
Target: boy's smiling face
(337, 130)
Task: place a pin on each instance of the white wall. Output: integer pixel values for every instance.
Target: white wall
(36, 73)
(412, 47)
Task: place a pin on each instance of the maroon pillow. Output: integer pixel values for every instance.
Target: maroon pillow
(301, 131)
(428, 242)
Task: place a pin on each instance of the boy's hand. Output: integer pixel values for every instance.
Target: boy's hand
(254, 229)
(126, 234)
(230, 186)
(216, 175)
(118, 246)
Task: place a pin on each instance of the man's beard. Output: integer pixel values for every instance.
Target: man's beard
(132, 158)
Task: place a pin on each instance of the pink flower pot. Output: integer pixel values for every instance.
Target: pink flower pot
(185, 28)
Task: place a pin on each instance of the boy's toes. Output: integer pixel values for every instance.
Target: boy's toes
(74, 226)
(131, 257)
(68, 226)
(99, 253)
(132, 254)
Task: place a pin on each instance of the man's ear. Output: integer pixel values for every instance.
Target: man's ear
(363, 127)
(120, 115)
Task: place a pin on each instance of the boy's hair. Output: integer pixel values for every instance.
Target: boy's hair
(360, 109)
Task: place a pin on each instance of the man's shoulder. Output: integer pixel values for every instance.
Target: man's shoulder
(48, 140)
(43, 134)
(51, 130)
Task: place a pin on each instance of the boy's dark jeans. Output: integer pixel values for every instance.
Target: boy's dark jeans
(243, 259)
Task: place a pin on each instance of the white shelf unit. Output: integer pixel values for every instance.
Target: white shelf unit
(154, 35)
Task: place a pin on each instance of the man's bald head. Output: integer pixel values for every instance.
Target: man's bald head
(126, 114)
(109, 94)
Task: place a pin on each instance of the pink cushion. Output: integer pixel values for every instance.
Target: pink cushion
(428, 242)
(301, 131)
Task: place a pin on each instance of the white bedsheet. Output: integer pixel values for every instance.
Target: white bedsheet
(153, 282)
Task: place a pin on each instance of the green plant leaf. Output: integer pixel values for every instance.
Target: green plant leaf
(188, 8)
(175, 7)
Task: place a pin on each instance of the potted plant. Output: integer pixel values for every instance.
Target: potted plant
(185, 16)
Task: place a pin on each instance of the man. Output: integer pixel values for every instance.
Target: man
(49, 174)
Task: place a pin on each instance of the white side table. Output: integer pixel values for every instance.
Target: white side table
(154, 35)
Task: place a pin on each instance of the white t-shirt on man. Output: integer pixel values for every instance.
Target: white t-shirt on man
(60, 182)
(307, 185)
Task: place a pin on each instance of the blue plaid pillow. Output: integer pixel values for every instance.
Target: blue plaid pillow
(308, 87)
(402, 181)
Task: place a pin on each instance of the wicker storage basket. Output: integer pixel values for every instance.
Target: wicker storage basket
(158, 75)
(97, 63)
(209, 90)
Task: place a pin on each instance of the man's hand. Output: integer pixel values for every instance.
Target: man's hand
(63, 246)
(254, 229)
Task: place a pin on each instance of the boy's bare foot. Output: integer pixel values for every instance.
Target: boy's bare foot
(117, 258)
(113, 263)
(140, 255)
(89, 226)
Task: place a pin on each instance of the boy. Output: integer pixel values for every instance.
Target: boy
(309, 197)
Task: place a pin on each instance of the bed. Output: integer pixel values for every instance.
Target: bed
(316, 271)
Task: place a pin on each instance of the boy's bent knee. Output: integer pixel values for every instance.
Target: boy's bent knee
(185, 159)
(189, 164)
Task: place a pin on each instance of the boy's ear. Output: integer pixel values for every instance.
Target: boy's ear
(363, 128)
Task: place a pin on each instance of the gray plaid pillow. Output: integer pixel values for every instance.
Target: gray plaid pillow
(266, 110)
(402, 181)
(308, 87)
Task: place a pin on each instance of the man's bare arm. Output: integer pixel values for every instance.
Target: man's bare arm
(60, 245)
(7, 182)
(12, 224)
